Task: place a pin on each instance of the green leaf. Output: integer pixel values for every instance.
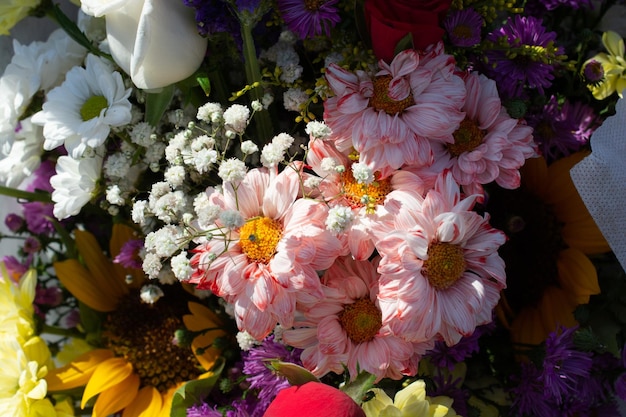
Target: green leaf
(404, 44)
(157, 103)
(205, 83)
(295, 374)
(91, 321)
(66, 238)
(356, 389)
(193, 392)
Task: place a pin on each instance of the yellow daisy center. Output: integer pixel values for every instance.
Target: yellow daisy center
(361, 320)
(462, 31)
(364, 195)
(445, 264)
(380, 100)
(466, 138)
(143, 335)
(259, 237)
(92, 107)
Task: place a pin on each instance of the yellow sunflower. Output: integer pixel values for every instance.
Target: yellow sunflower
(550, 235)
(138, 368)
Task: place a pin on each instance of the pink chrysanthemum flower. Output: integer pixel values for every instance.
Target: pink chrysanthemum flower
(391, 118)
(489, 145)
(270, 261)
(347, 328)
(441, 274)
(355, 206)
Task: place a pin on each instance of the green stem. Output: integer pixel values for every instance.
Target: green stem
(59, 331)
(263, 122)
(26, 195)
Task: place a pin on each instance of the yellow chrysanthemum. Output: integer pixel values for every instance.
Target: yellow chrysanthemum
(409, 401)
(613, 66)
(139, 368)
(16, 304)
(12, 11)
(550, 235)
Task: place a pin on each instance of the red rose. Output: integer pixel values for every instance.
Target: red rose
(313, 399)
(389, 21)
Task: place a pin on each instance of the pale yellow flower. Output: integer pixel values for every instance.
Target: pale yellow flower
(16, 305)
(12, 11)
(410, 401)
(613, 65)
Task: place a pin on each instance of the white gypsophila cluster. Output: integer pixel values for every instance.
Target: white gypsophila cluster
(232, 219)
(333, 58)
(200, 154)
(274, 152)
(329, 164)
(150, 293)
(267, 99)
(294, 99)
(154, 154)
(232, 170)
(284, 54)
(236, 118)
(248, 147)
(151, 265)
(166, 276)
(139, 212)
(210, 113)
(142, 134)
(170, 207)
(175, 147)
(117, 165)
(114, 195)
(362, 173)
(318, 130)
(339, 217)
(291, 73)
(181, 266)
(256, 105)
(312, 182)
(178, 118)
(158, 190)
(175, 175)
(206, 213)
(166, 241)
(246, 341)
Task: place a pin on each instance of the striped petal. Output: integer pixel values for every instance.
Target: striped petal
(108, 374)
(78, 372)
(117, 397)
(147, 403)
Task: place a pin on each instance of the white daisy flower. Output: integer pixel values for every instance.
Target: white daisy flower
(81, 111)
(25, 155)
(74, 184)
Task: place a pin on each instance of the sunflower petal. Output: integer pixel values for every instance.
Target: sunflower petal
(117, 397)
(100, 267)
(202, 316)
(81, 284)
(147, 403)
(585, 236)
(557, 309)
(527, 328)
(78, 372)
(577, 275)
(534, 176)
(120, 235)
(109, 373)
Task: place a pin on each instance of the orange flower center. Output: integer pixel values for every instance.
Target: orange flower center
(380, 100)
(259, 237)
(445, 264)
(466, 138)
(143, 334)
(361, 320)
(364, 195)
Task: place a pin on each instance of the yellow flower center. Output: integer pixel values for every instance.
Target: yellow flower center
(445, 264)
(92, 107)
(143, 335)
(462, 31)
(313, 5)
(380, 100)
(259, 237)
(361, 320)
(364, 195)
(466, 138)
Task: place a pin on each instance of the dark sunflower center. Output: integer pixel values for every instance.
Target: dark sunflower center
(361, 320)
(533, 243)
(380, 100)
(466, 138)
(143, 335)
(364, 195)
(445, 264)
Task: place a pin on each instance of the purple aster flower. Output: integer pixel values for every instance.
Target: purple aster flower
(537, 7)
(260, 376)
(309, 18)
(450, 387)
(31, 245)
(14, 222)
(203, 410)
(14, 267)
(129, 254)
(528, 393)
(214, 16)
(512, 68)
(562, 129)
(247, 5)
(464, 27)
(564, 367)
(38, 215)
(444, 356)
(593, 72)
(52, 296)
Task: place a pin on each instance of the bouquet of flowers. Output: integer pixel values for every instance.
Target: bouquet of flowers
(298, 207)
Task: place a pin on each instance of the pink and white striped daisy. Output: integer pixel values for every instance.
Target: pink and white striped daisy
(267, 262)
(489, 145)
(441, 274)
(347, 328)
(391, 117)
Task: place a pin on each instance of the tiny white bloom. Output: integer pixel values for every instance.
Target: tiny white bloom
(318, 130)
(294, 99)
(150, 293)
(236, 118)
(81, 111)
(152, 265)
(210, 112)
(138, 213)
(362, 173)
(339, 217)
(175, 175)
(256, 105)
(246, 341)
(74, 184)
(248, 147)
(181, 267)
(114, 195)
(232, 170)
(329, 164)
(232, 219)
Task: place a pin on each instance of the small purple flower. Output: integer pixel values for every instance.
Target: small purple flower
(444, 356)
(52, 296)
(309, 18)
(511, 68)
(31, 245)
(214, 16)
(129, 256)
(464, 27)
(203, 410)
(528, 394)
(14, 222)
(38, 215)
(593, 72)
(14, 267)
